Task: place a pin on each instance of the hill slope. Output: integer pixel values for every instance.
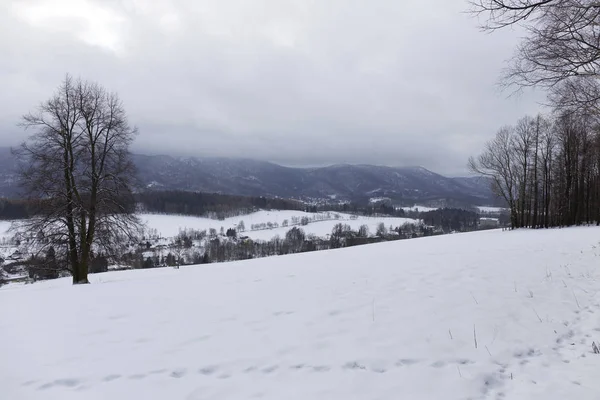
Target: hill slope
(349, 182)
(494, 315)
(259, 178)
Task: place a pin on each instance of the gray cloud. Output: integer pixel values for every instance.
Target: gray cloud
(298, 82)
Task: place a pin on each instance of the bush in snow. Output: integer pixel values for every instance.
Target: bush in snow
(231, 233)
(363, 231)
(381, 230)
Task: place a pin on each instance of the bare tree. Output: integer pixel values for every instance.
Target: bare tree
(551, 167)
(295, 238)
(363, 231)
(241, 227)
(547, 150)
(523, 143)
(77, 167)
(576, 95)
(498, 162)
(562, 39)
(542, 126)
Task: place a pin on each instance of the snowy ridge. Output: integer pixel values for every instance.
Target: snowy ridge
(488, 315)
(257, 178)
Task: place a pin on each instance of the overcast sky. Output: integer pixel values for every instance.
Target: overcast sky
(298, 82)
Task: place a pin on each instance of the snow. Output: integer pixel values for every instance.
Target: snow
(170, 225)
(419, 208)
(5, 248)
(374, 200)
(4, 226)
(385, 321)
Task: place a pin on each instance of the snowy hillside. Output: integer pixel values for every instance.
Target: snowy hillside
(258, 178)
(4, 226)
(490, 315)
(320, 224)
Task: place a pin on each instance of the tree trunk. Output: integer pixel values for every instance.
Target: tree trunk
(81, 277)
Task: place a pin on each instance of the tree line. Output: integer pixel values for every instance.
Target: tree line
(212, 205)
(199, 247)
(451, 219)
(221, 206)
(11, 209)
(547, 167)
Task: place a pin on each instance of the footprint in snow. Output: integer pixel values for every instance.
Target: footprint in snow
(209, 370)
(464, 361)
(178, 373)
(406, 362)
(70, 383)
(270, 370)
(354, 365)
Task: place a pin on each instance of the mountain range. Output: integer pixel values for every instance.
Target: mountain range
(405, 185)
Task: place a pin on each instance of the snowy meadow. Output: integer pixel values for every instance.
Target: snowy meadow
(265, 225)
(487, 315)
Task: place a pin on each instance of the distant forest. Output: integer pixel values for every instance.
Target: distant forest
(220, 206)
(11, 209)
(211, 205)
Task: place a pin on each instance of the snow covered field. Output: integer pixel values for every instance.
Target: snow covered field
(419, 208)
(487, 209)
(5, 249)
(170, 225)
(488, 315)
(4, 226)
